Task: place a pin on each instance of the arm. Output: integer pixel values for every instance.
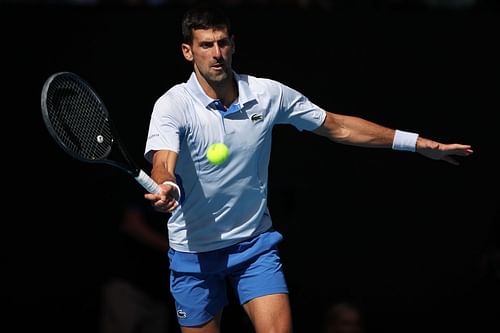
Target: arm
(163, 170)
(360, 132)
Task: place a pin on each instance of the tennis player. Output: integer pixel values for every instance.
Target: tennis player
(220, 230)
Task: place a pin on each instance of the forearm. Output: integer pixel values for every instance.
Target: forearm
(360, 132)
(164, 166)
(356, 131)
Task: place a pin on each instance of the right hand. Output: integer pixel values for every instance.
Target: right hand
(164, 201)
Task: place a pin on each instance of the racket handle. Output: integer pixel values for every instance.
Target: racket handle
(147, 182)
(152, 187)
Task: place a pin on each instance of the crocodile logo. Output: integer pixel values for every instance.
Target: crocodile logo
(181, 314)
(256, 117)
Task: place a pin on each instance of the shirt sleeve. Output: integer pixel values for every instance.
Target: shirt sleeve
(165, 126)
(297, 110)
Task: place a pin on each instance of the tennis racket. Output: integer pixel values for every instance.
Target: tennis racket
(79, 122)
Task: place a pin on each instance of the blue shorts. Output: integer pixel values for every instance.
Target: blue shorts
(198, 280)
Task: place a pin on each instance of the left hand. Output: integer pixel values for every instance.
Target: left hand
(441, 151)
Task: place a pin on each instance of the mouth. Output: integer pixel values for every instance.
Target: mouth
(218, 66)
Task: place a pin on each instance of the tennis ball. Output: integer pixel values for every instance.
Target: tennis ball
(217, 153)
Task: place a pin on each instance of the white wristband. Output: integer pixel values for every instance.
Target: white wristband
(177, 188)
(405, 141)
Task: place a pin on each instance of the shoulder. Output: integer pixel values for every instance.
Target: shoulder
(177, 93)
(174, 99)
(256, 80)
(263, 84)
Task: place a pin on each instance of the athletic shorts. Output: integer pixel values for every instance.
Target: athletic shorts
(198, 280)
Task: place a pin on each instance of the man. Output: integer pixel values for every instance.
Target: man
(220, 230)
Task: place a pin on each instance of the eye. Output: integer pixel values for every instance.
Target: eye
(223, 42)
(206, 45)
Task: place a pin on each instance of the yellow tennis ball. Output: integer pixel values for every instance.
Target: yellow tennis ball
(217, 153)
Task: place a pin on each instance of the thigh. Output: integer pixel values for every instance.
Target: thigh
(212, 326)
(270, 313)
(260, 276)
(199, 300)
(262, 290)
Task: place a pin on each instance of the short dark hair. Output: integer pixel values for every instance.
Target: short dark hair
(203, 16)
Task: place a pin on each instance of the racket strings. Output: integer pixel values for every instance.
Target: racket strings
(79, 118)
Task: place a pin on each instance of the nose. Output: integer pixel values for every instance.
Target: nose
(217, 51)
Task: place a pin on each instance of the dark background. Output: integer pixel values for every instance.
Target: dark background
(402, 236)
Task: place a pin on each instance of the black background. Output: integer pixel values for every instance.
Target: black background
(401, 235)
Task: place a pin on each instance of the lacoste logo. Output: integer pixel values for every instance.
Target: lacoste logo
(181, 314)
(153, 135)
(256, 117)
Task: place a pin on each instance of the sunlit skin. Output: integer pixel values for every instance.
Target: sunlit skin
(211, 52)
(364, 133)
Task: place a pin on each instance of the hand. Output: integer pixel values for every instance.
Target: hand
(165, 201)
(441, 151)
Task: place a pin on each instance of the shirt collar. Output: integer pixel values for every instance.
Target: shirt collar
(245, 95)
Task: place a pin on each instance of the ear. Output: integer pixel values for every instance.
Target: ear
(187, 52)
(233, 44)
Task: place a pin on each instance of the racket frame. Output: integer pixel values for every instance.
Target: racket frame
(128, 166)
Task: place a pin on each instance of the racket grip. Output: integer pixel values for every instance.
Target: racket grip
(147, 182)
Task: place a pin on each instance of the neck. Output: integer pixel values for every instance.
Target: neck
(225, 90)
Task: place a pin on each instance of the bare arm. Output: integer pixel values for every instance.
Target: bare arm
(360, 132)
(163, 170)
(355, 131)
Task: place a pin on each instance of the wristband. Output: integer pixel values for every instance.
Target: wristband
(177, 188)
(405, 141)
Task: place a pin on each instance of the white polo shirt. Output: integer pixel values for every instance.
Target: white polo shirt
(226, 204)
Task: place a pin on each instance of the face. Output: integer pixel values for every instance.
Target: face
(211, 53)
